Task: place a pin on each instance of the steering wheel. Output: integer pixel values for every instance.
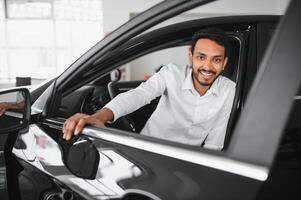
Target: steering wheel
(123, 122)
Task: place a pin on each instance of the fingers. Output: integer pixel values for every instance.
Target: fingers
(2, 108)
(80, 125)
(2, 111)
(74, 125)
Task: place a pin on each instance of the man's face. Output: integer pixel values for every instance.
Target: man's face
(208, 61)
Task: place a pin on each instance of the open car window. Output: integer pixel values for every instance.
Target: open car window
(98, 92)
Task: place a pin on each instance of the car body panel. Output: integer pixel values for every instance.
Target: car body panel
(125, 170)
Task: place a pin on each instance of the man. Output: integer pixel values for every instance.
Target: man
(195, 102)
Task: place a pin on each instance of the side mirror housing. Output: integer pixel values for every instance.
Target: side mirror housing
(14, 110)
(81, 157)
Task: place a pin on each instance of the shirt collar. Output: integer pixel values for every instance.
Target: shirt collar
(214, 89)
(188, 84)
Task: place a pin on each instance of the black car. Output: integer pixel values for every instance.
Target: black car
(261, 158)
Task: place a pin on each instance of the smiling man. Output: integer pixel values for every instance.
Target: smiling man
(208, 60)
(195, 103)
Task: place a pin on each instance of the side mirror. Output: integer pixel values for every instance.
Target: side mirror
(14, 110)
(80, 156)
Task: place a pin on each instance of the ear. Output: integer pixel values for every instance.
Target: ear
(225, 63)
(190, 54)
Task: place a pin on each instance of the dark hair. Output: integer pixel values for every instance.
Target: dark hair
(215, 34)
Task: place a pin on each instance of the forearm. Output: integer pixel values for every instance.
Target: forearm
(104, 115)
(125, 103)
(9, 105)
(132, 100)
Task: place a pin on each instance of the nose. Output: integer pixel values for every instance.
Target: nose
(207, 64)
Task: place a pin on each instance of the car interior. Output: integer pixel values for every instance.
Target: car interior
(93, 96)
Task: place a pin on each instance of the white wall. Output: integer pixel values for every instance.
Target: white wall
(147, 65)
(117, 12)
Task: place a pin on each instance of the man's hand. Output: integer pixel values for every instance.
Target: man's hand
(3, 107)
(76, 123)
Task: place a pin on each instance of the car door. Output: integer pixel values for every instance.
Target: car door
(119, 165)
(3, 171)
(138, 167)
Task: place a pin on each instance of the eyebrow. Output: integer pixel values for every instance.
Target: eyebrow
(202, 54)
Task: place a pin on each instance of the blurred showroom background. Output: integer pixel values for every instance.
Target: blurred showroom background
(39, 39)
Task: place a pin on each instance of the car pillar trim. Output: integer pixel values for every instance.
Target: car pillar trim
(213, 161)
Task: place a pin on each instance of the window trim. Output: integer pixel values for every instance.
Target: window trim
(173, 150)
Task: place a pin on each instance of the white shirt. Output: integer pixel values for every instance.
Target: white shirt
(182, 115)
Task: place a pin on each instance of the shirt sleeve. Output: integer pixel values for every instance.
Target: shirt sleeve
(134, 99)
(216, 136)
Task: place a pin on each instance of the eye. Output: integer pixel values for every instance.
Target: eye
(200, 57)
(217, 60)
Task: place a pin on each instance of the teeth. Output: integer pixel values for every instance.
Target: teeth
(206, 73)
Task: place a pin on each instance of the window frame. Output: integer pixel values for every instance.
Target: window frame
(238, 154)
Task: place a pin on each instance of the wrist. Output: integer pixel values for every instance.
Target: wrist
(104, 115)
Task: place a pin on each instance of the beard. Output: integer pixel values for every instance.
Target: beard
(199, 77)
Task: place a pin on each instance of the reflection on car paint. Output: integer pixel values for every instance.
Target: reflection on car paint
(44, 153)
(39, 185)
